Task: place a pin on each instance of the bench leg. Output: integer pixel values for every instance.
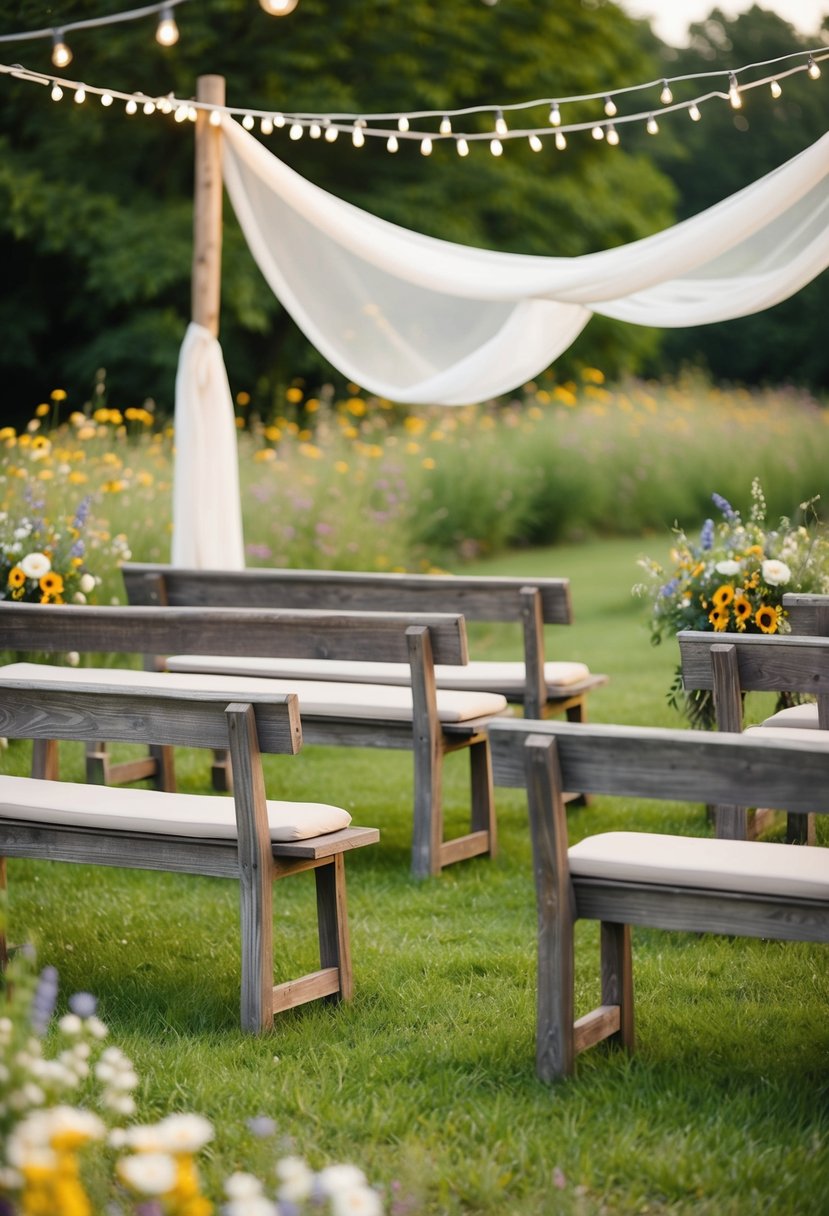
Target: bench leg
(256, 902)
(617, 980)
(157, 766)
(482, 792)
(45, 759)
(221, 773)
(332, 918)
(428, 807)
(800, 829)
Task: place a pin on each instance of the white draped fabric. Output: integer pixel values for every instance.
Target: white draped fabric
(421, 320)
(207, 511)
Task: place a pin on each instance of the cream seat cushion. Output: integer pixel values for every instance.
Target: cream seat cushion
(131, 810)
(748, 866)
(802, 734)
(800, 717)
(317, 698)
(508, 678)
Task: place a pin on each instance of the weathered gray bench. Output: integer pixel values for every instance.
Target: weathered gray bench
(542, 687)
(807, 615)
(246, 837)
(732, 664)
(421, 718)
(742, 887)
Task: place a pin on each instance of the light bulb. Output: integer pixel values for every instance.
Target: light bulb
(106, 99)
(61, 54)
(666, 96)
(278, 8)
(535, 143)
(403, 123)
(295, 131)
(652, 126)
(812, 69)
(279, 121)
(357, 137)
(57, 92)
(776, 89)
(248, 122)
(561, 141)
(149, 107)
(445, 126)
(598, 132)
(132, 106)
(180, 114)
(331, 134)
(734, 92)
(215, 118)
(80, 95)
(392, 144)
(496, 147)
(266, 126)
(694, 112)
(555, 115)
(462, 147)
(612, 135)
(426, 147)
(192, 113)
(610, 107)
(501, 127)
(165, 105)
(315, 130)
(166, 33)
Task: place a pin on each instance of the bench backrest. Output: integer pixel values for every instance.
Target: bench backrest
(807, 614)
(479, 598)
(246, 631)
(61, 709)
(671, 765)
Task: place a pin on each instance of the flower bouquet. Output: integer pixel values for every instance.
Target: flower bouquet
(733, 578)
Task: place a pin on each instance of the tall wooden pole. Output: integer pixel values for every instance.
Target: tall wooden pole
(207, 209)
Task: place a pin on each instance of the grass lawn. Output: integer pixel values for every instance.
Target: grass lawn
(427, 1079)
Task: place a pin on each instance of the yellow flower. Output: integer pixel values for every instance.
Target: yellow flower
(293, 395)
(77, 478)
(356, 406)
(243, 399)
(592, 375)
(42, 410)
(264, 454)
(310, 450)
(719, 619)
(7, 432)
(273, 434)
(767, 618)
(429, 463)
(51, 583)
(414, 425)
(341, 466)
(58, 394)
(742, 610)
(16, 577)
(312, 405)
(723, 596)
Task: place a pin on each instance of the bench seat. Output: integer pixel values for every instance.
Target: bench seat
(746, 866)
(200, 816)
(796, 717)
(507, 678)
(317, 698)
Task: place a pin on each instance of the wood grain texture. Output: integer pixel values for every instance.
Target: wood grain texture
(807, 614)
(532, 620)
(771, 663)
(427, 832)
(730, 821)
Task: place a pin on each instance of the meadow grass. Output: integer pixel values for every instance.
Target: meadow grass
(427, 1079)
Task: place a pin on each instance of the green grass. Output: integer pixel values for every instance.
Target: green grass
(427, 1079)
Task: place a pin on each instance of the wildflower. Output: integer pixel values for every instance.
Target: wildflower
(741, 608)
(722, 504)
(35, 565)
(775, 573)
(706, 538)
(41, 410)
(148, 1173)
(16, 577)
(87, 582)
(723, 596)
(296, 1180)
(767, 618)
(51, 584)
(293, 395)
(728, 567)
(718, 618)
(58, 394)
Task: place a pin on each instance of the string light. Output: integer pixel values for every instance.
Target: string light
(314, 131)
(561, 141)
(80, 96)
(462, 147)
(215, 119)
(501, 127)
(57, 92)
(666, 96)
(247, 123)
(331, 134)
(610, 107)
(426, 147)
(265, 126)
(166, 33)
(555, 115)
(132, 106)
(734, 93)
(598, 132)
(107, 99)
(392, 144)
(278, 8)
(402, 123)
(357, 137)
(496, 147)
(812, 69)
(295, 132)
(652, 126)
(776, 89)
(61, 54)
(694, 112)
(445, 125)
(612, 136)
(535, 143)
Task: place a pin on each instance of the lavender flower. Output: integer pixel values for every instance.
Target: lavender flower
(83, 1004)
(706, 536)
(261, 1126)
(722, 504)
(82, 513)
(44, 999)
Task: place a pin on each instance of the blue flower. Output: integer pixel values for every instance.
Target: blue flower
(706, 536)
(668, 589)
(722, 504)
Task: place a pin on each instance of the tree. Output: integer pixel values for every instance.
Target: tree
(95, 206)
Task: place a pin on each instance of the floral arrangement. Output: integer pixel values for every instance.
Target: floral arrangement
(733, 578)
(44, 561)
(46, 1137)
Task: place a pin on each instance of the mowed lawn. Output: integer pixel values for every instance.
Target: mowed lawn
(427, 1079)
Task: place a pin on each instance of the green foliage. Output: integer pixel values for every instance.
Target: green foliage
(95, 206)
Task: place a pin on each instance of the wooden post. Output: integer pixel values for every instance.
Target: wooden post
(207, 209)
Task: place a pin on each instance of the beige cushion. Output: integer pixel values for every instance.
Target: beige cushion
(316, 698)
(507, 678)
(801, 717)
(132, 810)
(749, 866)
(787, 734)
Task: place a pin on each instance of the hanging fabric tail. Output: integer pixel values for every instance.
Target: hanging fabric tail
(207, 514)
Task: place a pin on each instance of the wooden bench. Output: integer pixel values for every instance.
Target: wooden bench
(420, 718)
(735, 663)
(248, 837)
(742, 887)
(543, 688)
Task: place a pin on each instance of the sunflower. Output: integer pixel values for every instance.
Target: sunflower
(719, 619)
(723, 596)
(742, 610)
(16, 577)
(767, 618)
(51, 584)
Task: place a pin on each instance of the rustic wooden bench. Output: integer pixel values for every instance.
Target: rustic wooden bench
(420, 718)
(807, 615)
(742, 887)
(543, 688)
(246, 837)
(734, 663)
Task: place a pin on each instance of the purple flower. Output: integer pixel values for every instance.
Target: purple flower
(706, 536)
(44, 999)
(81, 513)
(83, 1004)
(261, 1126)
(669, 588)
(722, 504)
